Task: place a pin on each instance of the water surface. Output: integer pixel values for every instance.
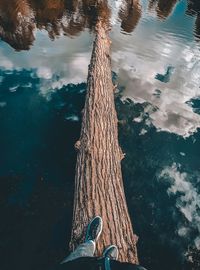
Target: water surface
(45, 50)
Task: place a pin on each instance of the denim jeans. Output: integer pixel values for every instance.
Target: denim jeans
(85, 253)
(86, 249)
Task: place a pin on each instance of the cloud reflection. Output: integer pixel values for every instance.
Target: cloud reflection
(50, 62)
(187, 200)
(137, 62)
(138, 66)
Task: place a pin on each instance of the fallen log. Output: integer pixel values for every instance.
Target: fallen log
(98, 181)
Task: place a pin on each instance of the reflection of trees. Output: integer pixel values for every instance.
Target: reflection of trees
(130, 14)
(19, 19)
(17, 23)
(197, 26)
(55, 16)
(94, 10)
(47, 14)
(163, 8)
(67, 17)
(152, 4)
(193, 9)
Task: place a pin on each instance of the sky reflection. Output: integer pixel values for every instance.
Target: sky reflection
(162, 37)
(138, 63)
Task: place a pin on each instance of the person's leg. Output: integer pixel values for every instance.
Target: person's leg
(87, 249)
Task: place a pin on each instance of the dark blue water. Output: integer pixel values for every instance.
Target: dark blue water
(156, 63)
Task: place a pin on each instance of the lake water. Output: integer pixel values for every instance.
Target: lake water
(45, 50)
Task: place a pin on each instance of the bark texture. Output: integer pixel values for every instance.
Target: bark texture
(98, 181)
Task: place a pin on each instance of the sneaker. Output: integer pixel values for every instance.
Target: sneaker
(111, 252)
(94, 229)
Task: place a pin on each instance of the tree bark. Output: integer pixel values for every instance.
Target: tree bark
(98, 181)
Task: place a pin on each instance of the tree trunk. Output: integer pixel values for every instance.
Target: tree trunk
(98, 181)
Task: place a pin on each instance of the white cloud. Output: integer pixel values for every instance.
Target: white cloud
(6, 64)
(74, 72)
(183, 231)
(44, 73)
(187, 200)
(137, 63)
(56, 63)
